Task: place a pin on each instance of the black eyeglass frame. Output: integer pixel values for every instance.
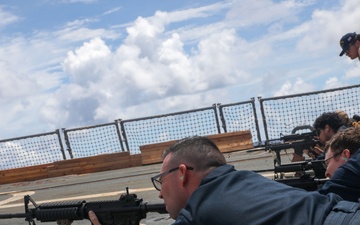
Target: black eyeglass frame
(325, 163)
(156, 179)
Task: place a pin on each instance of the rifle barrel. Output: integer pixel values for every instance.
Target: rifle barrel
(262, 171)
(160, 208)
(289, 168)
(12, 215)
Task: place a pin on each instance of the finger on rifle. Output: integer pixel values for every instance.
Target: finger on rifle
(317, 150)
(93, 218)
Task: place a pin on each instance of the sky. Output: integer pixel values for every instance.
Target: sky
(74, 63)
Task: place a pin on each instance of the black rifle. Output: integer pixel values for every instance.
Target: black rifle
(306, 182)
(298, 142)
(128, 210)
(312, 174)
(315, 166)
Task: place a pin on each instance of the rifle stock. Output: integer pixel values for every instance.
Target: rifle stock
(128, 210)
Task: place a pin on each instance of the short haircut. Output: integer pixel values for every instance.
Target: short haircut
(346, 139)
(328, 118)
(196, 151)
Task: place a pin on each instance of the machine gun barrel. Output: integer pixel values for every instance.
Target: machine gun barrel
(12, 215)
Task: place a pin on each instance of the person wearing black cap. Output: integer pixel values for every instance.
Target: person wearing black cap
(350, 43)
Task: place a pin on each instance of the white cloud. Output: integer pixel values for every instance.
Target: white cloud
(327, 26)
(353, 72)
(176, 103)
(78, 1)
(332, 82)
(116, 9)
(7, 17)
(248, 13)
(80, 23)
(150, 66)
(83, 33)
(172, 61)
(87, 63)
(198, 12)
(298, 87)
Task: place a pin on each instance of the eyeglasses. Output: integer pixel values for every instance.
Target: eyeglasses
(156, 180)
(326, 161)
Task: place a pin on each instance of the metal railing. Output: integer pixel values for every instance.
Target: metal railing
(278, 115)
(31, 150)
(93, 140)
(173, 126)
(240, 116)
(282, 114)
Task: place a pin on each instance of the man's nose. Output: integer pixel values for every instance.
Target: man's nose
(327, 174)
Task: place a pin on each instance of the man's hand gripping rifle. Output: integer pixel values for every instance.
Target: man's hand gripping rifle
(128, 210)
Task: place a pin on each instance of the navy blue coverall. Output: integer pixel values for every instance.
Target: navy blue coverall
(230, 197)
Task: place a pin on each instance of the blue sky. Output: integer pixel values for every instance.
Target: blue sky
(72, 63)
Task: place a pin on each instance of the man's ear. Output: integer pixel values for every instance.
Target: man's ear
(183, 173)
(347, 153)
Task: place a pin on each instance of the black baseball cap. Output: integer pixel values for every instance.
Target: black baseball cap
(346, 41)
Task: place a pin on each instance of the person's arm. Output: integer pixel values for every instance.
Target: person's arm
(93, 218)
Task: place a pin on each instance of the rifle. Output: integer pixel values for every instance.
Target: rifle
(306, 182)
(312, 174)
(316, 166)
(309, 181)
(298, 142)
(128, 210)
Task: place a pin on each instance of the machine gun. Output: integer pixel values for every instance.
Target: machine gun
(312, 174)
(128, 210)
(306, 182)
(298, 142)
(316, 167)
